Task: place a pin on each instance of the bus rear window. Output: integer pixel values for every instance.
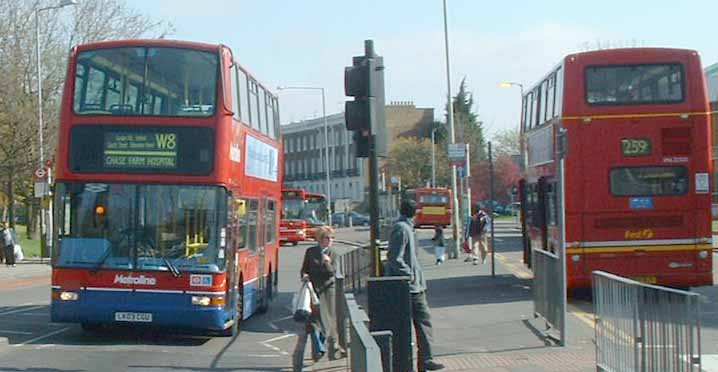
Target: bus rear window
(433, 199)
(634, 84)
(649, 181)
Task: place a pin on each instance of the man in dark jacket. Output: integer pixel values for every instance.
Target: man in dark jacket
(402, 260)
(9, 239)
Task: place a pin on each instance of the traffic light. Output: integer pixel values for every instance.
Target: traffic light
(361, 139)
(364, 81)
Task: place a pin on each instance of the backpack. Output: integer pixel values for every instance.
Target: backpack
(477, 226)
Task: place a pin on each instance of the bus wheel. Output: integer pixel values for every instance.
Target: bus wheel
(267, 293)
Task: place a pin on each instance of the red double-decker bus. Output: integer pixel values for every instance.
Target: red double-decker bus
(167, 190)
(433, 206)
(315, 213)
(637, 166)
(293, 228)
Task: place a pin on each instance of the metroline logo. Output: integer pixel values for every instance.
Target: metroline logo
(129, 279)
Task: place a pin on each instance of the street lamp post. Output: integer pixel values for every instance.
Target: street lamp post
(326, 145)
(509, 84)
(62, 4)
(452, 138)
(433, 158)
(46, 214)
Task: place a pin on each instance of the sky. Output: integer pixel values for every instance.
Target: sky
(309, 42)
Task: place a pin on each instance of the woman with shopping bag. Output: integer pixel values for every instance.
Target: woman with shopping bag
(9, 239)
(306, 314)
(318, 267)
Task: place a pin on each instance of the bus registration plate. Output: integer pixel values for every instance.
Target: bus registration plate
(645, 279)
(133, 317)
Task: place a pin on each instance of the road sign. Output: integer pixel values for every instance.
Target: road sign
(457, 151)
(460, 171)
(40, 174)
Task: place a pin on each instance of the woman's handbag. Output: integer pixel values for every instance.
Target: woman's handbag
(303, 301)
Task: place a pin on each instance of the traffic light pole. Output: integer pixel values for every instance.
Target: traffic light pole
(373, 176)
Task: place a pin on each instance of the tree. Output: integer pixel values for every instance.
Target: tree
(410, 159)
(506, 142)
(87, 21)
(467, 127)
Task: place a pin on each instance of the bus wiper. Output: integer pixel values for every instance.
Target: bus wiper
(104, 258)
(173, 269)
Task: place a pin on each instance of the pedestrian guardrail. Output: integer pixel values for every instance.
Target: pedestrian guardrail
(642, 327)
(355, 266)
(546, 291)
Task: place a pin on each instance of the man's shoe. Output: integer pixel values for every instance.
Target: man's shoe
(468, 259)
(431, 365)
(316, 357)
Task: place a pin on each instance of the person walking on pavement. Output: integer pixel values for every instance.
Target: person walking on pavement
(310, 329)
(439, 245)
(402, 260)
(477, 230)
(9, 239)
(318, 265)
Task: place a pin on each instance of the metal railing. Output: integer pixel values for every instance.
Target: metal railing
(643, 327)
(546, 292)
(355, 266)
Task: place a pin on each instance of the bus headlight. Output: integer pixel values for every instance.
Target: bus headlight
(703, 254)
(201, 300)
(67, 296)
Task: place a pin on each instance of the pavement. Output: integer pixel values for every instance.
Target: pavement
(485, 323)
(481, 322)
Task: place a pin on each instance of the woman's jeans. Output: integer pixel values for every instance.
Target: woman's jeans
(318, 347)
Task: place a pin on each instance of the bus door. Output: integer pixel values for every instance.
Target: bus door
(524, 236)
(234, 240)
(261, 250)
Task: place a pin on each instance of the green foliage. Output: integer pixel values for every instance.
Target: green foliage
(410, 159)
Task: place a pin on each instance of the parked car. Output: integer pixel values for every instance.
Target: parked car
(339, 219)
(359, 219)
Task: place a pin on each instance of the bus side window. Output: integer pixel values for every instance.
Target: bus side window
(270, 224)
(252, 224)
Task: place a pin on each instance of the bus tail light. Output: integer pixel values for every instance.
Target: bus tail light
(65, 296)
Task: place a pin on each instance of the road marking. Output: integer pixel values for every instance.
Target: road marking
(42, 337)
(523, 273)
(45, 346)
(266, 343)
(279, 338)
(14, 332)
(264, 356)
(21, 310)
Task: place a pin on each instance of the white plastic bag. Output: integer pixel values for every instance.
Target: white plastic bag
(17, 251)
(302, 302)
(439, 252)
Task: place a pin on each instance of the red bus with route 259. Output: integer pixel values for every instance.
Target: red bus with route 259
(637, 166)
(167, 190)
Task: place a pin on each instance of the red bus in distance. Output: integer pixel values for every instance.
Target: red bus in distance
(168, 188)
(433, 206)
(637, 165)
(293, 228)
(315, 213)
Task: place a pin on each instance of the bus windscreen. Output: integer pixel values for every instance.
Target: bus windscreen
(146, 81)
